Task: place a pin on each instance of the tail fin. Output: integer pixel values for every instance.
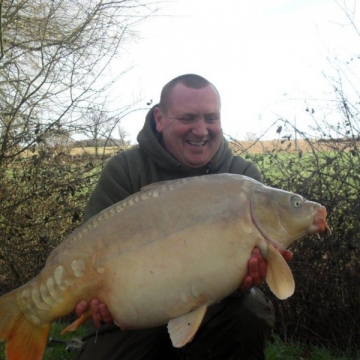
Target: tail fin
(25, 340)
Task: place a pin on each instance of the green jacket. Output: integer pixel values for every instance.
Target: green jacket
(128, 171)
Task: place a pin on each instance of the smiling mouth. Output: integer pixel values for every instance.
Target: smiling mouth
(197, 143)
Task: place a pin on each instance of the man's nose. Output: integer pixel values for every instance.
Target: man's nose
(200, 127)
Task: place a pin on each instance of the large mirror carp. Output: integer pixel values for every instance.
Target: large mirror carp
(162, 256)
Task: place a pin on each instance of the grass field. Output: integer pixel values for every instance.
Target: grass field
(249, 147)
(252, 147)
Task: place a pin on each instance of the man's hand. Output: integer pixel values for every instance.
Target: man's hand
(257, 268)
(99, 310)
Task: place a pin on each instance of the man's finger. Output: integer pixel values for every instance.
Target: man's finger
(96, 314)
(247, 283)
(262, 268)
(81, 308)
(105, 313)
(288, 255)
(253, 271)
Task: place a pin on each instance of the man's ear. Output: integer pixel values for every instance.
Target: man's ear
(158, 116)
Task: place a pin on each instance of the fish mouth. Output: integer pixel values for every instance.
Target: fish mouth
(319, 224)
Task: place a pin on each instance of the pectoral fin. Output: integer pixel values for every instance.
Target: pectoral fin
(279, 276)
(183, 328)
(74, 325)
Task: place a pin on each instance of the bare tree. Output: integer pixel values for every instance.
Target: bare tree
(53, 54)
(251, 136)
(99, 124)
(53, 58)
(96, 125)
(123, 134)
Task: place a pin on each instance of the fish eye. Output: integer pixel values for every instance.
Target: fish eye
(296, 201)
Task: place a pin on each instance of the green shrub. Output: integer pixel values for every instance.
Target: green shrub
(42, 198)
(324, 307)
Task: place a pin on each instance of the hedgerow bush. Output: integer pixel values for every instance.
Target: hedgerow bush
(42, 198)
(325, 306)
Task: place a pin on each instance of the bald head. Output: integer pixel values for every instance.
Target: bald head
(192, 81)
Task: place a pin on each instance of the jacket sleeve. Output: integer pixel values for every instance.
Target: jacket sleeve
(114, 185)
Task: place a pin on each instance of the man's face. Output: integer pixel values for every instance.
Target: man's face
(191, 126)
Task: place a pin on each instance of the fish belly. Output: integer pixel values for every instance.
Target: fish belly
(173, 275)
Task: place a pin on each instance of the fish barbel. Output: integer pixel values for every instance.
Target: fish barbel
(162, 256)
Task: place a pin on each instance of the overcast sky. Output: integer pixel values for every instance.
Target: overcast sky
(267, 58)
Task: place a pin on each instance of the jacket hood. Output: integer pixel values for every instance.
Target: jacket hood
(150, 141)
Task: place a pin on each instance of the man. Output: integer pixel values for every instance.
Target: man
(182, 137)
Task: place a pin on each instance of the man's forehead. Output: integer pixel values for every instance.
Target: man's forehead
(191, 100)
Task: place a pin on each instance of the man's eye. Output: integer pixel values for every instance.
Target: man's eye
(212, 119)
(186, 119)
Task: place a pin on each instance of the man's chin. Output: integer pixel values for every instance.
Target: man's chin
(196, 164)
(197, 158)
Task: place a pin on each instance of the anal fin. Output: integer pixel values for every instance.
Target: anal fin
(279, 276)
(183, 328)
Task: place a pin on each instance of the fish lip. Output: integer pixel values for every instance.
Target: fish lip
(319, 223)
